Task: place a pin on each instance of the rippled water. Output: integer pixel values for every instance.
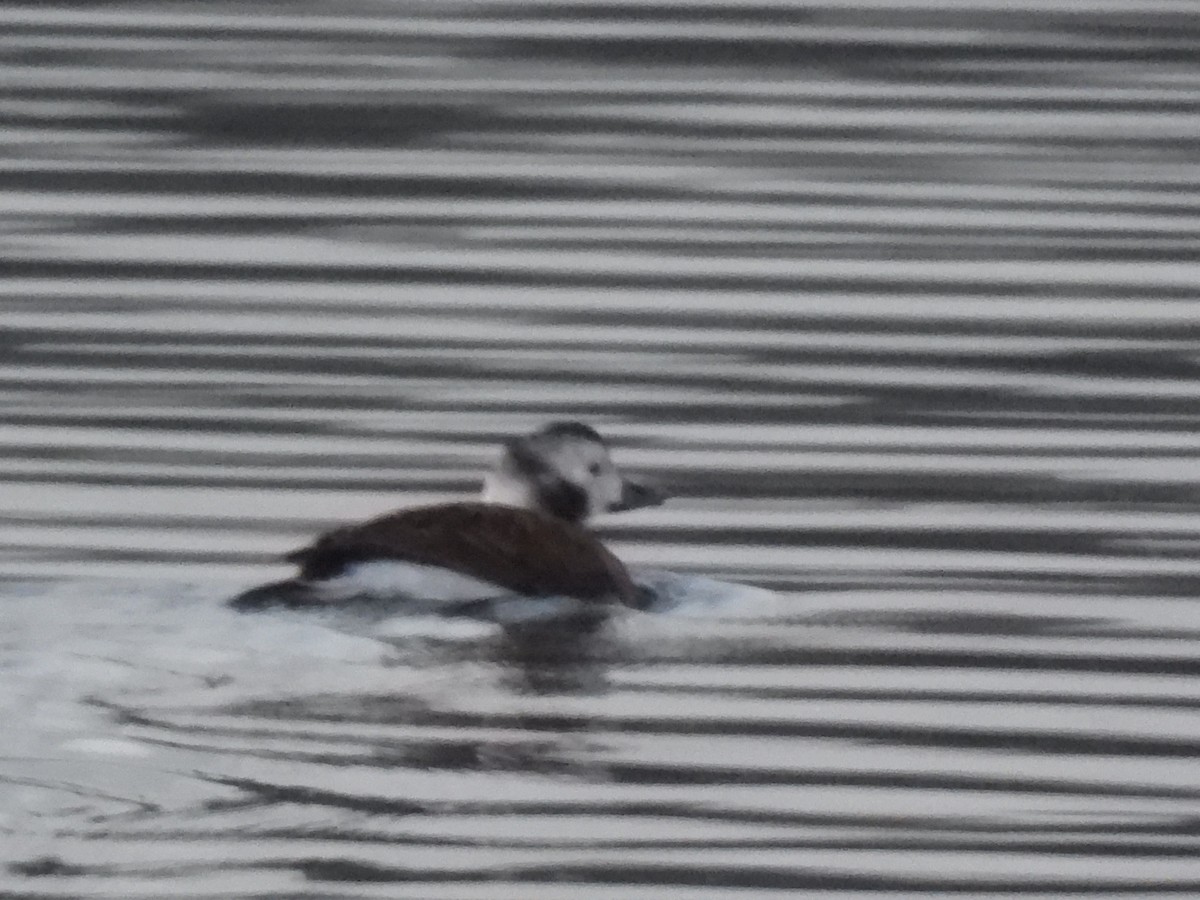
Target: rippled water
(900, 302)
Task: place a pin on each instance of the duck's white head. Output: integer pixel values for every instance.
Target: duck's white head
(564, 469)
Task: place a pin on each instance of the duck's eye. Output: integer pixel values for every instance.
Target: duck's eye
(594, 469)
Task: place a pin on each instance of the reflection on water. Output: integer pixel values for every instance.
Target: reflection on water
(900, 303)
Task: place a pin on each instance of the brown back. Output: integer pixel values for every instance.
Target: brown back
(518, 549)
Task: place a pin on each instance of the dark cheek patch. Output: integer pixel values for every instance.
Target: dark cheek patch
(525, 461)
(564, 500)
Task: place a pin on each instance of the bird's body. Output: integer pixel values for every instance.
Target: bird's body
(525, 538)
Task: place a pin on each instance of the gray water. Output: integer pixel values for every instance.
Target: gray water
(899, 303)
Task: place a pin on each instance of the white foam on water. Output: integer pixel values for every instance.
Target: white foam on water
(677, 594)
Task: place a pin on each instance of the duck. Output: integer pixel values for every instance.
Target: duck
(525, 535)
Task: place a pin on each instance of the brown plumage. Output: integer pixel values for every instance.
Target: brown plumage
(525, 536)
(521, 550)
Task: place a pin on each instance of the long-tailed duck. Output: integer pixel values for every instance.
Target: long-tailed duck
(525, 536)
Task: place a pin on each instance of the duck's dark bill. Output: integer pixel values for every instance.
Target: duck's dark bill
(635, 495)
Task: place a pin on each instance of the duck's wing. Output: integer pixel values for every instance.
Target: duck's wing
(519, 550)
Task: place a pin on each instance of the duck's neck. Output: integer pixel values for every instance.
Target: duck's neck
(501, 487)
(562, 501)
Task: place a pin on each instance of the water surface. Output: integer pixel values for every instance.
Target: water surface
(899, 302)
